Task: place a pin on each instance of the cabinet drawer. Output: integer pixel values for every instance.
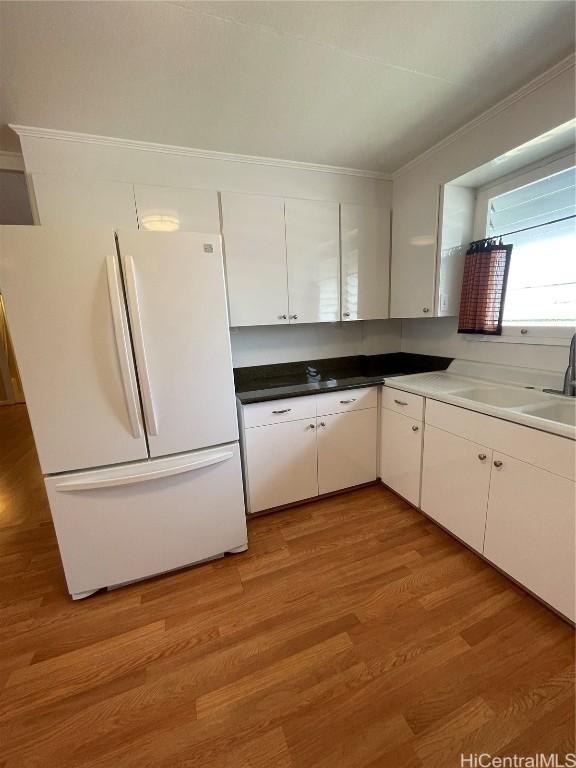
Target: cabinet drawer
(277, 411)
(403, 402)
(347, 400)
(541, 449)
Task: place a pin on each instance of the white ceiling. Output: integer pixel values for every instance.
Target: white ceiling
(361, 84)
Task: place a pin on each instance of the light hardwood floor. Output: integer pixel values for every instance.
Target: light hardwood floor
(353, 633)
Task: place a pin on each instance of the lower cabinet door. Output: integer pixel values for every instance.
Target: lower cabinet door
(280, 464)
(531, 530)
(401, 454)
(346, 449)
(455, 483)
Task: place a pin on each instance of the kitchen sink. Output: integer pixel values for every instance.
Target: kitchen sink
(502, 397)
(564, 411)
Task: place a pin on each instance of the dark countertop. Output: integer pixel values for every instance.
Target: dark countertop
(258, 383)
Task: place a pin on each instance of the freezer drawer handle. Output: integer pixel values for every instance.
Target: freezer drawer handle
(143, 477)
(148, 402)
(123, 345)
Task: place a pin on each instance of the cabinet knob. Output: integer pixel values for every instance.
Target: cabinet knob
(415, 428)
(282, 317)
(312, 426)
(482, 456)
(346, 314)
(498, 464)
(425, 309)
(322, 423)
(293, 317)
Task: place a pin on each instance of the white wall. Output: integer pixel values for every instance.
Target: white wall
(539, 110)
(284, 343)
(439, 336)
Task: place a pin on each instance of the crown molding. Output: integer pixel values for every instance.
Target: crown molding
(11, 161)
(558, 69)
(206, 154)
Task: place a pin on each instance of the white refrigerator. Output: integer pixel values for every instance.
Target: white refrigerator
(124, 352)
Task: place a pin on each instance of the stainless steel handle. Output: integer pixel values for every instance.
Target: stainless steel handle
(498, 464)
(345, 402)
(282, 317)
(140, 348)
(284, 410)
(415, 428)
(426, 309)
(482, 456)
(122, 338)
(400, 402)
(346, 314)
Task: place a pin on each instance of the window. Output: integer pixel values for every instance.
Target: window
(541, 286)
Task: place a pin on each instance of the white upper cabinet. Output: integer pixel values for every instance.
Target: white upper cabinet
(431, 228)
(313, 252)
(414, 241)
(166, 209)
(255, 246)
(365, 270)
(84, 202)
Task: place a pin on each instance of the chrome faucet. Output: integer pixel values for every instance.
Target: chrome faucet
(570, 376)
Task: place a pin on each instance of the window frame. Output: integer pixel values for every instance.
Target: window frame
(554, 335)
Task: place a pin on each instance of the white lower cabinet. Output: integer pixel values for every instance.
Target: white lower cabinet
(401, 454)
(455, 484)
(531, 530)
(301, 447)
(280, 463)
(346, 449)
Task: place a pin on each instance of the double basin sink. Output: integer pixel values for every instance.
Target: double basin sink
(529, 401)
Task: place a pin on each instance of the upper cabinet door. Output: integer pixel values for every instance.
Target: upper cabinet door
(255, 246)
(166, 209)
(365, 274)
(312, 245)
(65, 306)
(177, 306)
(414, 244)
(84, 202)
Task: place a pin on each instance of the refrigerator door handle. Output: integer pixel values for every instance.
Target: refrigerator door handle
(123, 345)
(137, 475)
(138, 335)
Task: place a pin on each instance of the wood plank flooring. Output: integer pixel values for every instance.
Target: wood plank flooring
(353, 634)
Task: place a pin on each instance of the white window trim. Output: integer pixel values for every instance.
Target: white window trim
(553, 335)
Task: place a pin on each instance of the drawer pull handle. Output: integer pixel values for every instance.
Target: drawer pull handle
(482, 456)
(415, 428)
(284, 410)
(400, 402)
(498, 464)
(345, 402)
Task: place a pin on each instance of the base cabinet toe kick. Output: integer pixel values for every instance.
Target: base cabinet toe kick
(506, 490)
